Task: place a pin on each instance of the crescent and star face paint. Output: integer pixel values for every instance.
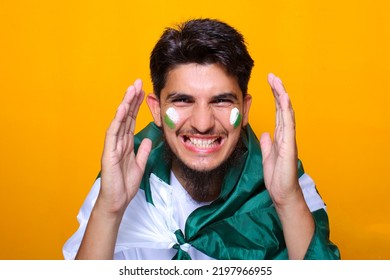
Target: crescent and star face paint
(171, 117)
(235, 117)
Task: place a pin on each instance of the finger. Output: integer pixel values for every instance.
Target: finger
(139, 102)
(140, 97)
(122, 128)
(271, 79)
(283, 98)
(278, 117)
(110, 142)
(289, 131)
(132, 92)
(285, 130)
(279, 87)
(138, 85)
(129, 95)
(266, 146)
(288, 120)
(126, 103)
(143, 153)
(134, 107)
(133, 115)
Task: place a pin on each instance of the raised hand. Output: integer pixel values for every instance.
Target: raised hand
(122, 169)
(121, 175)
(280, 156)
(280, 164)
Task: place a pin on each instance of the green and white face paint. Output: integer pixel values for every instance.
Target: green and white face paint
(235, 117)
(171, 117)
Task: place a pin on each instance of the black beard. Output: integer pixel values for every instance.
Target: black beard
(204, 185)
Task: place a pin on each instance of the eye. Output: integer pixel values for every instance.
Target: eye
(181, 100)
(220, 101)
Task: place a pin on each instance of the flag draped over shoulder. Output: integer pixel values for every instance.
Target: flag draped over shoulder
(242, 223)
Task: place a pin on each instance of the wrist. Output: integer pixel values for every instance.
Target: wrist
(288, 198)
(293, 208)
(107, 212)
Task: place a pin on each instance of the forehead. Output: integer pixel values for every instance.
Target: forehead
(200, 80)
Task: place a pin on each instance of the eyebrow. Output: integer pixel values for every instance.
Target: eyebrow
(227, 95)
(178, 95)
(175, 95)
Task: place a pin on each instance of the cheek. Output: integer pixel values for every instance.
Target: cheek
(176, 117)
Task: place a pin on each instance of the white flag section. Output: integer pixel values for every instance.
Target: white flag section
(310, 270)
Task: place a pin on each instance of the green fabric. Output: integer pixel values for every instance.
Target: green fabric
(181, 254)
(242, 223)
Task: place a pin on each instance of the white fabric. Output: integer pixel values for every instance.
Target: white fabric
(147, 231)
(312, 198)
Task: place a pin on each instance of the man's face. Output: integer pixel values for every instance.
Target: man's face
(195, 111)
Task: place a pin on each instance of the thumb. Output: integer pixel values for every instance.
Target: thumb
(265, 145)
(143, 153)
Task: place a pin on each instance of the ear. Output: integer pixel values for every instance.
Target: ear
(247, 105)
(154, 107)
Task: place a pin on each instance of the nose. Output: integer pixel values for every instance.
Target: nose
(202, 119)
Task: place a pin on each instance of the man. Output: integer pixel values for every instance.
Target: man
(196, 183)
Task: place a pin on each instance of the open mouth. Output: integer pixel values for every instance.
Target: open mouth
(202, 143)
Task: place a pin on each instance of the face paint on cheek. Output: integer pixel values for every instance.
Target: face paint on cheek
(171, 117)
(235, 117)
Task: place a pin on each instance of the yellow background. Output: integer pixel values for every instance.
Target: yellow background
(65, 65)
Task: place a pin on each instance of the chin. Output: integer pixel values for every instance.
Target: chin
(202, 167)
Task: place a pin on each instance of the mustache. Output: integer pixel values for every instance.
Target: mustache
(194, 131)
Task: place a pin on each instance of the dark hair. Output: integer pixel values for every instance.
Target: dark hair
(202, 41)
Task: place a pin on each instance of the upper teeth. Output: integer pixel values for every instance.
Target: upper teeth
(201, 143)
